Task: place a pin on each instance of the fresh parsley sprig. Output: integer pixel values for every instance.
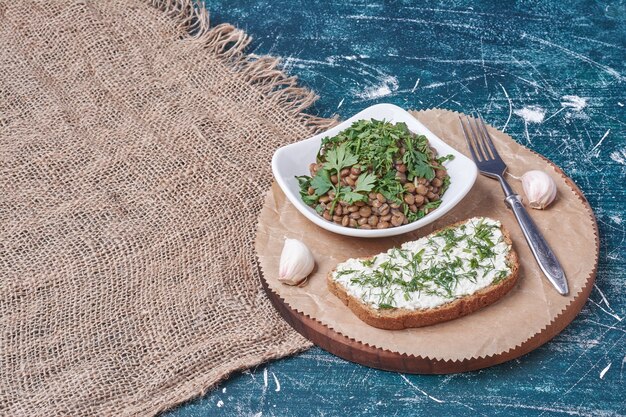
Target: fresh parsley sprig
(339, 158)
(305, 182)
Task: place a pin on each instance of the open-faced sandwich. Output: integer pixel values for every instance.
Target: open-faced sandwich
(447, 274)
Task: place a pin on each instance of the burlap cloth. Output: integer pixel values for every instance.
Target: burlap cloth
(133, 163)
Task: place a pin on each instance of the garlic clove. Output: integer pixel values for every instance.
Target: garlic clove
(540, 189)
(296, 263)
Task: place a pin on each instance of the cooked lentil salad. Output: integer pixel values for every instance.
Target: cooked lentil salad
(375, 175)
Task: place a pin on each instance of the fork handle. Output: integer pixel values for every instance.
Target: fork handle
(538, 245)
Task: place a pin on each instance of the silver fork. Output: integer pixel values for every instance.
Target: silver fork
(491, 165)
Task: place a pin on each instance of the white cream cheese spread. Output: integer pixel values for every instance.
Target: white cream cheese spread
(430, 271)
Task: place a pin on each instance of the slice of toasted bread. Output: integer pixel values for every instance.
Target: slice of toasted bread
(402, 318)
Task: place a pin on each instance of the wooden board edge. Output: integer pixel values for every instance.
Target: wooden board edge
(354, 351)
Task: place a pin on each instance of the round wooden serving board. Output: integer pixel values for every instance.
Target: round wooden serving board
(530, 315)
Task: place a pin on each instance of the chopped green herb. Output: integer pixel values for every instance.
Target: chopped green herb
(425, 271)
(500, 276)
(321, 182)
(368, 262)
(346, 194)
(305, 183)
(432, 205)
(339, 158)
(345, 272)
(365, 182)
(386, 157)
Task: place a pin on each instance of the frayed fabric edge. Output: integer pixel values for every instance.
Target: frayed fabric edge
(262, 72)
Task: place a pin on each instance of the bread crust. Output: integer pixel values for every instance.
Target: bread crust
(401, 318)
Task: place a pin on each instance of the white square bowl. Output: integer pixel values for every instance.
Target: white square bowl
(293, 160)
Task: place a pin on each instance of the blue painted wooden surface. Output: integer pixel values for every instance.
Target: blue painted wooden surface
(552, 75)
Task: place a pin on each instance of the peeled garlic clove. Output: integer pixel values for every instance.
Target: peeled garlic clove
(540, 189)
(296, 262)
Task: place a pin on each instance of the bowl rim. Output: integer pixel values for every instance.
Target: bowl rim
(468, 180)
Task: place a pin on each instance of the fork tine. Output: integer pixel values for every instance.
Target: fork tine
(487, 137)
(467, 139)
(480, 138)
(477, 140)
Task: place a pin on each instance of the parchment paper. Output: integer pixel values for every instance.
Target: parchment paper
(567, 224)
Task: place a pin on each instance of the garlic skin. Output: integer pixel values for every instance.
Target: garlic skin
(540, 189)
(296, 262)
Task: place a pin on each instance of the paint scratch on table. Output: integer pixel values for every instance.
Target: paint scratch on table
(382, 88)
(572, 411)
(531, 114)
(415, 86)
(576, 55)
(421, 390)
(277, 382)
(604, 299)
(615, 316)
(574, 102)
(508, 99)
(455, 81)
(596, 154)
(605, 370)
(606, 326)
(619, 156)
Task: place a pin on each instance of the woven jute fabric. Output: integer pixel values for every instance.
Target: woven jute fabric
(135, 147)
